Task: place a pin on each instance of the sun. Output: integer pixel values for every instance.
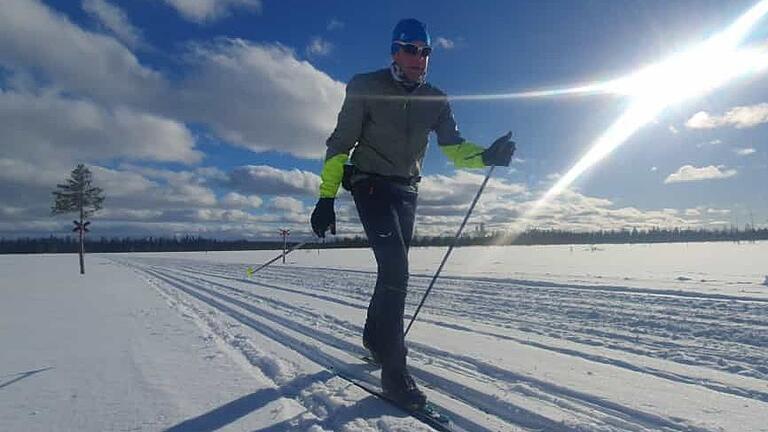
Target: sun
(694, 72)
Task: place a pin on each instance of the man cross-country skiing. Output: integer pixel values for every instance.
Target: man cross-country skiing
(385, 121)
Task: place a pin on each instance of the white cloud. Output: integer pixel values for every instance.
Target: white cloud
(335, 24)
(461, 187)
(701, 120)
(554, 176)
(122, 183)
(444, 43)
(144, 201)
(264, 179)
(32, 36)
(443, 201)
(100, 104)
(201, 11)
(53, 127)
(579, 212)
(719, 212)
(212, 173)
(654, 169)
(740, 117)
(13, 214)
(319, 47)
(721, 223)
(689, 173)
(709, 143)
(234, 199)
(504, 211)
(141, 188)
(147, 201)
(674, 130)
(571, 211)
(286, 204)
(260, 97)
(27, 173)
(129, 214)
(128, 189)
(220, 215)
(28, 185)
(745, 151)
(35, 228)
(115, 20)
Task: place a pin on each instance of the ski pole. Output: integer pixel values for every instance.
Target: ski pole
(450, 249)
(250, 270)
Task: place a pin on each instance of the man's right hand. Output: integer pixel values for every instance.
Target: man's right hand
(323, 217)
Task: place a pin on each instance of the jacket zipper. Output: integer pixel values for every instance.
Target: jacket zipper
(407, 108)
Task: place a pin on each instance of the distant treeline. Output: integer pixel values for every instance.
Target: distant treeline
(531, 237)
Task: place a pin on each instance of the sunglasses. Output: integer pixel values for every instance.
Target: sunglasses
(409, 48)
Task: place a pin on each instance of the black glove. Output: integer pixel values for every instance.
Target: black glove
(323, 217)
(500, 152)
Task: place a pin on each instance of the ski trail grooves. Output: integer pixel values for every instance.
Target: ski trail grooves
(473, 396)
(300, 343)
(355, 331)
(752, 392)
(315, 388)
(615, 417)
(726, 335)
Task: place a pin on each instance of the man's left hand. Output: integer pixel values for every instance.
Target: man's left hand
(323, 217)
(500, 152)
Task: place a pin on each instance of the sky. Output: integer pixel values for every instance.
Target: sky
(209, 117)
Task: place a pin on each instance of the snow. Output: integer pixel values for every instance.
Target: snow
(565, 338)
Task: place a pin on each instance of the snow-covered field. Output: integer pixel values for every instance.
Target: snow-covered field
(668, 337)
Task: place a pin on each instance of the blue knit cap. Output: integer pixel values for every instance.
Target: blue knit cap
(409, 30)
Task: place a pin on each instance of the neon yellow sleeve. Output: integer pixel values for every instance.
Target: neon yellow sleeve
(464, 155)
(330, 176)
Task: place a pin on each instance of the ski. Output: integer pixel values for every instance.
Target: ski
(429, 415)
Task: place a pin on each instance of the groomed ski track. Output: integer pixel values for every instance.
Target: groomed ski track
(292, 322)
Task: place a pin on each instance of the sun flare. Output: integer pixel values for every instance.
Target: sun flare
(701, 69)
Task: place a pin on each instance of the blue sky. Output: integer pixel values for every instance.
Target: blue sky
(209, 117)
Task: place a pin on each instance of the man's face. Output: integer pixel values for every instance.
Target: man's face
(413, 65)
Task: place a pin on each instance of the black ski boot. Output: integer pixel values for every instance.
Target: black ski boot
(399, 386)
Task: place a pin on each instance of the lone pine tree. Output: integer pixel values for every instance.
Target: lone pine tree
(78, 195)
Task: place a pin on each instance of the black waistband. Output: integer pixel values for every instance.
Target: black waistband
(351, 171)
(408, 181)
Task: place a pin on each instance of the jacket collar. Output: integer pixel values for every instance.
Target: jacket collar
(399, 76)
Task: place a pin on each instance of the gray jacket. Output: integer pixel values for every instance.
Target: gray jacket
(388, 127)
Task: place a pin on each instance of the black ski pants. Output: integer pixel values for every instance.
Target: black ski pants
(387, 210)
